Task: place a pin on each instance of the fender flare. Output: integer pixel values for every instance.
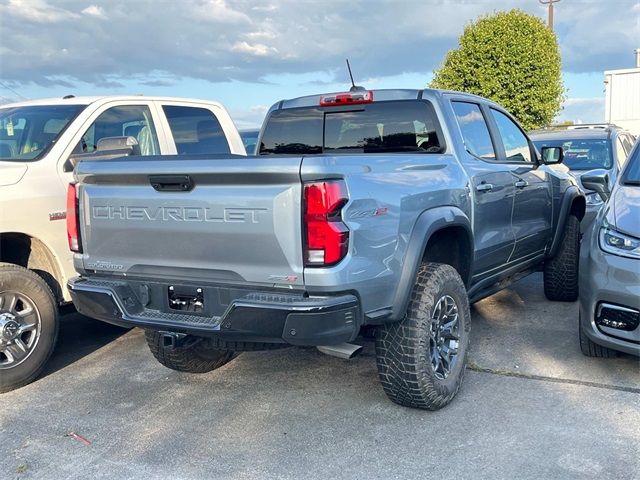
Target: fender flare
(42, 259)
(427, 223)
(566, 205)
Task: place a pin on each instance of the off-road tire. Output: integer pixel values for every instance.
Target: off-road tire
(192, 356)
(16, 278)
(591, 349)
(403, 348)
(561, 272)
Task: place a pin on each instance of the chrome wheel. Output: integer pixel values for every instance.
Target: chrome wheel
(444, 336)
(20, 325)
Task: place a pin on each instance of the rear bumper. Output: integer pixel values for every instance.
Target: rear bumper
(256, 316)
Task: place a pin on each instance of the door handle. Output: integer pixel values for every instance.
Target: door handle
(521, 183)
(484, 187)
(171, 183)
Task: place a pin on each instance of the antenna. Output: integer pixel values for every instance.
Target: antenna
(354, 87)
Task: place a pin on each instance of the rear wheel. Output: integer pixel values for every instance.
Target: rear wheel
(561, 272)
(193, 355)
(28, 326)
(421, 359)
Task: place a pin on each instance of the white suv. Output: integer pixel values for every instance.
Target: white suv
(36, 140)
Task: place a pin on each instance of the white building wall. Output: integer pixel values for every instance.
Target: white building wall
(622, 98)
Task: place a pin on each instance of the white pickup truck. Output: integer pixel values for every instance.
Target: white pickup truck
(36, 140)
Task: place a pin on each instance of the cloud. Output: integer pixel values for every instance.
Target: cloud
(95, 11)
(249, 41)
(256, 49)
(246, 118)
(38, 11)
(582, 110)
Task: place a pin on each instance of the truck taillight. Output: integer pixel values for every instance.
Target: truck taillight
(347, 98)
(326, 236)
(73, 231)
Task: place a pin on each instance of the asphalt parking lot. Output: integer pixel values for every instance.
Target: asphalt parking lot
(531, 407)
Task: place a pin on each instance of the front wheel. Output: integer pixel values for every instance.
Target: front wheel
(421, 359)
(194, 355)
(590, 348)
(28, 326)
(561, 272)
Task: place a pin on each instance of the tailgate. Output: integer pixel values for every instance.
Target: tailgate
(231, 220)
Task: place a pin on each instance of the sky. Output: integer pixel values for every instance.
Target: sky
(250, 54)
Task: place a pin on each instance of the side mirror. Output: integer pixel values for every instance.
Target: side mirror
(107, 147)
(598, 181)
(552, 155)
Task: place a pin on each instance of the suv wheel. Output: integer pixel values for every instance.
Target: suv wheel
(421, 360)
(28, 326)
(561, 272)
(193, 355)
(591, 349)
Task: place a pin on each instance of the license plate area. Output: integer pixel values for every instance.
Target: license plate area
(185, 299)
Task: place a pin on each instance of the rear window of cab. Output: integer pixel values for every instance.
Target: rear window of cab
(383, 127)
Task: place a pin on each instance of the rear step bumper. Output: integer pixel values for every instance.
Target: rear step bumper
(258, 316)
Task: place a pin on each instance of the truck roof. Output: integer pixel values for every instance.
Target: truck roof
(88, 100)
(379, 95)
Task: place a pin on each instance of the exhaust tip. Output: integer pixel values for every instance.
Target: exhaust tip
(345, 351)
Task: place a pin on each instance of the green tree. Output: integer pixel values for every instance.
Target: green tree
(512, 58)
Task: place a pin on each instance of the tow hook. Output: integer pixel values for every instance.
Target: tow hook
(172, 340)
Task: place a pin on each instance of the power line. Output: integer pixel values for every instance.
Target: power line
(11, 89)
(549, 4)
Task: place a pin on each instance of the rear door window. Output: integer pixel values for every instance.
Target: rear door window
(384, 127)
(475, 132)
(195, 130)
(293, 131)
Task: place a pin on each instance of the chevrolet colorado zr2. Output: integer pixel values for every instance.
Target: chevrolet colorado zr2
(390, 210)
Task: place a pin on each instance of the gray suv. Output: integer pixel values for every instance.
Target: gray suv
(589, 147)
(388, 210)
(610, 266)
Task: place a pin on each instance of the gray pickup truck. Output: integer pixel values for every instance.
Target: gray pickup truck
(386, 210)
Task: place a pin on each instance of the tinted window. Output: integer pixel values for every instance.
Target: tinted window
(631, 175)
(515, 142)
(581, 154)
(195, 130)
(27, 133)
(295, 130)
(628, 143)
(388, 127)
(124, 121)
(384, 127)
(474, 130)
(621, 153)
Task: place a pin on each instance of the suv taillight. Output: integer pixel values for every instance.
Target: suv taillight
(73, 232)
(326, 236)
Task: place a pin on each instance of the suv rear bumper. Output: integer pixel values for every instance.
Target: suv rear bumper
(258, 316)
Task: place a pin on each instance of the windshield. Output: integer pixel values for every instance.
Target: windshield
(631, 174)
(581, 154)
(27, 133)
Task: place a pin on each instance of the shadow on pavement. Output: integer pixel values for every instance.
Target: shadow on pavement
(78, 337)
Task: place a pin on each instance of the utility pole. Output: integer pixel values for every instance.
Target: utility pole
(549, 4)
